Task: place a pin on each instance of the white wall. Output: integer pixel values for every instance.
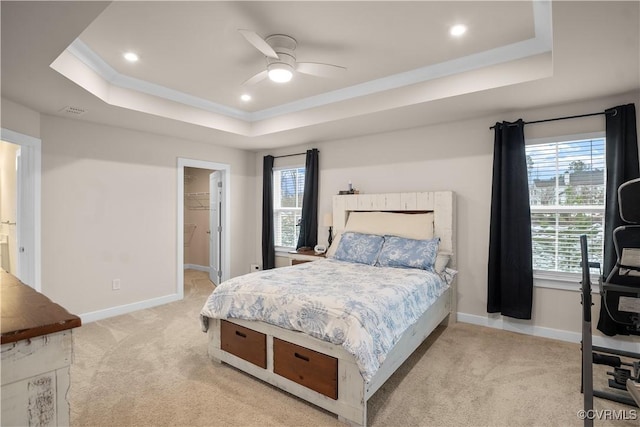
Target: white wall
(453, 156)
(109, 211)
(20, 119)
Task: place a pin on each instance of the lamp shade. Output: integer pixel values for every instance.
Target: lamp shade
(327, 220)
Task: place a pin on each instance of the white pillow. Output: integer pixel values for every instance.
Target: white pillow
(334, 245)
(412, 226)
(442, 260)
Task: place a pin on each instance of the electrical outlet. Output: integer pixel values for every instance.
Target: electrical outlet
(115, 284)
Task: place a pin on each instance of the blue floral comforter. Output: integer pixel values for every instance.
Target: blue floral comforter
(363, 308)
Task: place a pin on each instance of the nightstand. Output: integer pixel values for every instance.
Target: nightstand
(300, 256)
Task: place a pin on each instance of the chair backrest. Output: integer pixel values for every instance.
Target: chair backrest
(629, 201)
(626, 238)
(624, 279)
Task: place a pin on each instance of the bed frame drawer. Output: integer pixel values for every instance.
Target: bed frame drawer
(309, 368)
(244, 343)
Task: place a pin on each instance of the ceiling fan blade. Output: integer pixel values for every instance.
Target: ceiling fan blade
(256, 79)
(259, 43)
(322, 70)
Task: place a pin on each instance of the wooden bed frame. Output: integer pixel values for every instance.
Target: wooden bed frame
(352, 391)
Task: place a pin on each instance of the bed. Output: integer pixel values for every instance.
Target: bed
(325, 362)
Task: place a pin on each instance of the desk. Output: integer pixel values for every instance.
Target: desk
(36, 356)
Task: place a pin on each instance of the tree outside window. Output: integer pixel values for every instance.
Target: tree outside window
(567, 197)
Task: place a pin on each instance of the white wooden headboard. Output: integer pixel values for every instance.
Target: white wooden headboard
(441, 203)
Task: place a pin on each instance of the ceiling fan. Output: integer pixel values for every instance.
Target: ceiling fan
(279, 51)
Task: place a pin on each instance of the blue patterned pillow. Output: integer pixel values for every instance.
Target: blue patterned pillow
(358, 247)
(408, 253)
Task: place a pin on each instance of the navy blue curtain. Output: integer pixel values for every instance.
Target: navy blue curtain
(268, 239)
(622, 166)
(309, 223)
(510, 273)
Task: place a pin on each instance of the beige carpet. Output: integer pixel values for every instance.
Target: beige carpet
(150, 368)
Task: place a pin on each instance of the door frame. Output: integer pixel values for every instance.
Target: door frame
(216, 228)
(28, 227)
(226, 225)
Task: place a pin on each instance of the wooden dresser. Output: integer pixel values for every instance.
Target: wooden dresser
(36, 356)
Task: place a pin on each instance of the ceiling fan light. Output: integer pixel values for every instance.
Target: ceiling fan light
(280, 73)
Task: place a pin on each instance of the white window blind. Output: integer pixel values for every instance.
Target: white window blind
(567, 197)
(288, 190)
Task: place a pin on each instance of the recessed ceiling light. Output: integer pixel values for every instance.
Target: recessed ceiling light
(131, 56)
(458, 30)
(246, 97)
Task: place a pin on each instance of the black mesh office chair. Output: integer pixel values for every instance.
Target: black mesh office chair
(620, 291)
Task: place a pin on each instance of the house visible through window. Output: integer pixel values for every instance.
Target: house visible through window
(567, 196)
(288, 189)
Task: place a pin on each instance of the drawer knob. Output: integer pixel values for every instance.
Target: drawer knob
(240, 334)
(300, 356)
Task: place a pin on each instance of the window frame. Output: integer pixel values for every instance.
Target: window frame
(567, 281)
(276, 190)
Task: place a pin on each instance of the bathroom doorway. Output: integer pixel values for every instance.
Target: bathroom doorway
(20, 206)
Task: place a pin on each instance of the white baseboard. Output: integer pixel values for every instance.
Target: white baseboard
(196, 267)
(127, 308)
(524, 327)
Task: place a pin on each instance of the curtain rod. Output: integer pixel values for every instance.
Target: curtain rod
(291, 155)
(562, 118)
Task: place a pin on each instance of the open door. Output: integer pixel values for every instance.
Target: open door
(25, 213)
(216, 212)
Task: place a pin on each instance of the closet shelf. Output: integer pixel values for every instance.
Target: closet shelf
(197, 201)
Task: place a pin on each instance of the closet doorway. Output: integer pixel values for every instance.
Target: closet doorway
(203, 219)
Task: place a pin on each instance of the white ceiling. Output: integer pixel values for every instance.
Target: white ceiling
(403, 68)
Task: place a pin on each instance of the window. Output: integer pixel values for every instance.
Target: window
(288, 189)
(567, 196)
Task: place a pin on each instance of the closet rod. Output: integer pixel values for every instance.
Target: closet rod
(614, 112)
